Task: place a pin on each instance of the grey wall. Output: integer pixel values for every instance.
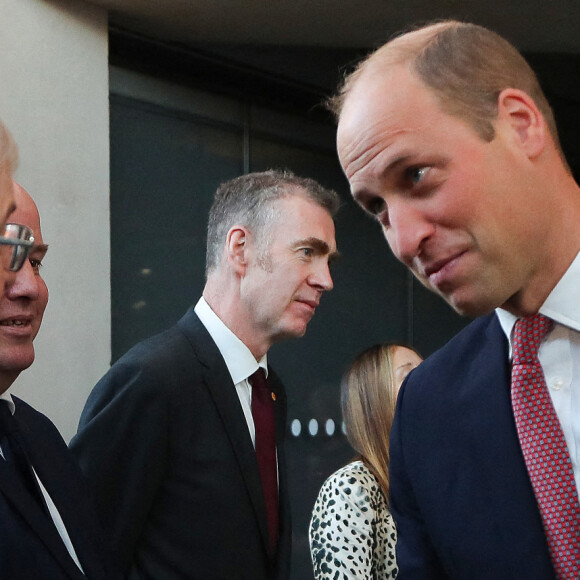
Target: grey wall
(54, 99)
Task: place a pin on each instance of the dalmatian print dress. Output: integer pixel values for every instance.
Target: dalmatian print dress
(352, 533)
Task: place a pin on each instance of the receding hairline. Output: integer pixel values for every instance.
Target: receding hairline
(405, 47)
(401, 50)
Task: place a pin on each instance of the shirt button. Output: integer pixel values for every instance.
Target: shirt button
(557, 385)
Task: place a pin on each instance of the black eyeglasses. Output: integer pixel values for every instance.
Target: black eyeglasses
(15, 245)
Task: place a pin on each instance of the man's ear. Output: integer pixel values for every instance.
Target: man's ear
(520, 112)
(236, 248)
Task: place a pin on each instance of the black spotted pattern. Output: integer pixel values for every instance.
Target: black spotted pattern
(352, 533)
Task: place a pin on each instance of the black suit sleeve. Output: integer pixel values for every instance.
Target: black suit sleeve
(122, 448)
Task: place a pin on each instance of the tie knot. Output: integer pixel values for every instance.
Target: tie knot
(258, 379)
(528, 334)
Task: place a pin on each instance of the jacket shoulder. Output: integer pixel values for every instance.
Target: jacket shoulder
(158, 365)
(31, 420)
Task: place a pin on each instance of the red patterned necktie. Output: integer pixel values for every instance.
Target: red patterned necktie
(263, 414)
(544, 448)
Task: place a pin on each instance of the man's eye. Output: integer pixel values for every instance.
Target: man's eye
(36, 264)
(416, 174)
(307, 252)
(375, 206)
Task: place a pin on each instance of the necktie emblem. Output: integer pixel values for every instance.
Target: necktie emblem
(544, 448)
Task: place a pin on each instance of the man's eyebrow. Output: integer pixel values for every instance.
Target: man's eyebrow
(402, 159)
(394, 165)
(40, 248)
(320, 246)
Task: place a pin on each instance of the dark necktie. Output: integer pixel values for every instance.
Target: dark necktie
(544, 448)
(16, 457)
(263, 414)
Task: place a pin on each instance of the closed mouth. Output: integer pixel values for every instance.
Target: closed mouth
(440, 264)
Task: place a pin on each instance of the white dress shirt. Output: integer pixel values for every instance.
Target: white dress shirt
(560, 356)
(237, 356)
(56, 517)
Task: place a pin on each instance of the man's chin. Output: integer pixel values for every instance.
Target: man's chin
(15, 362)
(470, 307)
(472, 310)
(294, 331)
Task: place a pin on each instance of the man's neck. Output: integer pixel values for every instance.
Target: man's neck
(229, 312)
(528, 301)
(7, 378)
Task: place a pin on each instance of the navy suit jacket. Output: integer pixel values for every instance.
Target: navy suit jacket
(30, 545)
(460, 492)
(165, 444)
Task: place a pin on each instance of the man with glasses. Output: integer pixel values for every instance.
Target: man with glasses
(48, 529)
(15, 245)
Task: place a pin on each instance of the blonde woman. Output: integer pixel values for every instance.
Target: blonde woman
(352, 533)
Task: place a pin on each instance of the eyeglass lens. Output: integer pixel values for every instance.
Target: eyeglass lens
(15, 245)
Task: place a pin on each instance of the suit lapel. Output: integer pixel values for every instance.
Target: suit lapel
(502, 466)
(61, 484)
(36, 518)
(222, 390)
(279, 406)
(285, 538)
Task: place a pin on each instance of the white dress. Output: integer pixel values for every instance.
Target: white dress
(352, 533)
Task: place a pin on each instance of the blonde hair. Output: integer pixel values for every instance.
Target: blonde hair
(368, 399)
(467, 66)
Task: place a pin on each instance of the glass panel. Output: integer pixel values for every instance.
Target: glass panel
(165, 168)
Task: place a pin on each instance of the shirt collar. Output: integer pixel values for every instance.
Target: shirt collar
(237, 356)
(8, 398)
(562, 304)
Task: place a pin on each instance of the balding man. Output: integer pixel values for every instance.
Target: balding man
(448, 141)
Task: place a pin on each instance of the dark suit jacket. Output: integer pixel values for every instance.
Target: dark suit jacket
(460, 492)
(30, 545)
(165, 444)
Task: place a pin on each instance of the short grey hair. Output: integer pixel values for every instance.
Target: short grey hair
(247, 201)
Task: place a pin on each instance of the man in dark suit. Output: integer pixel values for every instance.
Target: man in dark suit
(169, 437)
(448, 141)
(48, 529)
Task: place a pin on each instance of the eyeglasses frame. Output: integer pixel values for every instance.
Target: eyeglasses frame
(22, 245)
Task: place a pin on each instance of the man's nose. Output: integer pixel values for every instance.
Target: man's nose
(321, 277)
(407, 230)
(23, 283)
(7, 277)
